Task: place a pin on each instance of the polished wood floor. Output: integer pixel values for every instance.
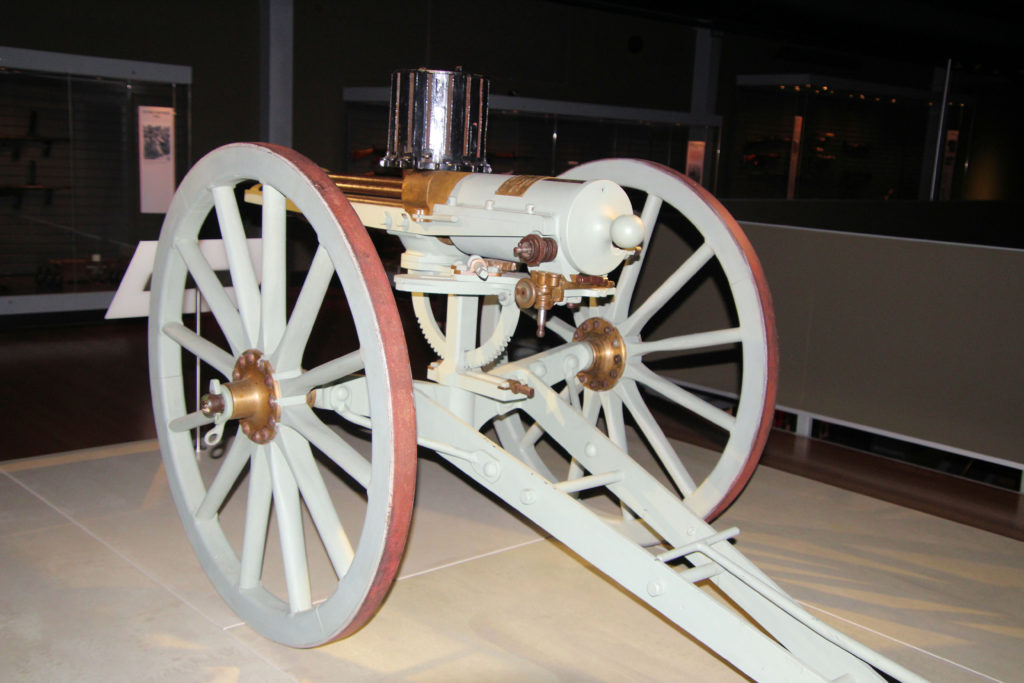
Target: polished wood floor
(84, 384)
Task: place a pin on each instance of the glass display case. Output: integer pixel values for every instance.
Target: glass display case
(73, 146)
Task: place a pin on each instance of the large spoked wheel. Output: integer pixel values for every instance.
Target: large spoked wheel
(300, 524)
(653, 292)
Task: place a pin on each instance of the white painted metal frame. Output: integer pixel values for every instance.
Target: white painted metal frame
(448, 419)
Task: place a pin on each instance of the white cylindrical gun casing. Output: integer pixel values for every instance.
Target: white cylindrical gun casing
(577, 215)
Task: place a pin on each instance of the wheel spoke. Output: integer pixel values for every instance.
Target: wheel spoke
(318, 501)
(613, 418)
(257, 520)
(634, 402)
(561, 328)
(531, 436)
(288, 355)
(288, 510)
(321, 375)
(216, 296)
(571, 391)
(275, 274)
(675, 282)
(649, 216)
(615, 425)
(230, 469)
(302, 419)
(619, 307)
(680, 396)
(189, 422)
(687, 342)
(591, 406)
(243, 275)
(205, 350)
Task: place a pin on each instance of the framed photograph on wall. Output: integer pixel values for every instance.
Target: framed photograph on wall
(156, 158)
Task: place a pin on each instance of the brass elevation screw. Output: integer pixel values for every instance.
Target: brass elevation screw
(541, 291)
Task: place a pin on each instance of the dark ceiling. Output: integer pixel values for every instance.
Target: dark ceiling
(976, 34)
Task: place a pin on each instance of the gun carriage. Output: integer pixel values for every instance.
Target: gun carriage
(488, 250)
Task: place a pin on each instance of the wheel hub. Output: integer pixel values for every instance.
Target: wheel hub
(609, 354)
(254, 395)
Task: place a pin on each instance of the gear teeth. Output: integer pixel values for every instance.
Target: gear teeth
(495, 345)
(428, 326)
(498, 350)
(427, 335)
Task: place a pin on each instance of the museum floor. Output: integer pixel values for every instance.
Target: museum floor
(97, 582)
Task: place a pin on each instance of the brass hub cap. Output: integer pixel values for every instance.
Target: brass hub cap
(609, 354)
(254, 395)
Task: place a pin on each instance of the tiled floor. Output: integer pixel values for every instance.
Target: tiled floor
(97, 582)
